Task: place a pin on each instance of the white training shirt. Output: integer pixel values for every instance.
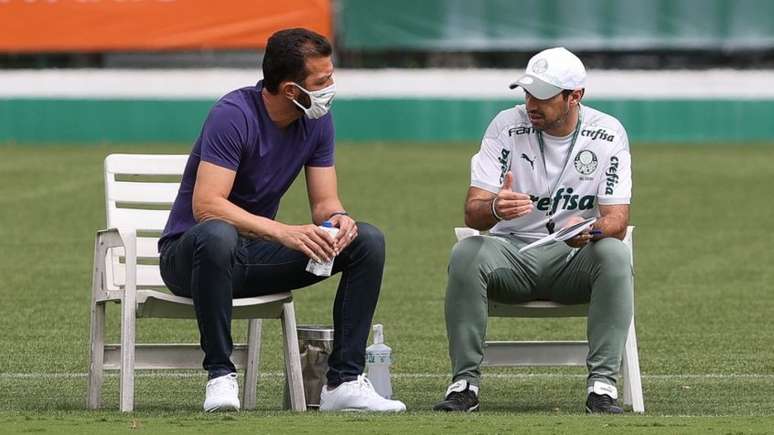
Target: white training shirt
(598, 170)
(556, 152)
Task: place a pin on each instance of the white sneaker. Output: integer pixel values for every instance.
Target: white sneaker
(222, 394)
(357, 395)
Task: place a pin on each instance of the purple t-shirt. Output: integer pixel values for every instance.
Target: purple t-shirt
(239, 135)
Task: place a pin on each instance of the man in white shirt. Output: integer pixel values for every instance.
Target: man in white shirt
(542, 166)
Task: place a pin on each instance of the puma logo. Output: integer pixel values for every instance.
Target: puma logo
(531, 161)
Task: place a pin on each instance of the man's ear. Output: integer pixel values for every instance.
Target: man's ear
(288, 90)
(578, 95)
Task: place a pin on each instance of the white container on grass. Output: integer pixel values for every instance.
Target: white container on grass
(378, 361)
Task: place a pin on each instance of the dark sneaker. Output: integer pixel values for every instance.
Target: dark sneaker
(602, 404)
(460, 397)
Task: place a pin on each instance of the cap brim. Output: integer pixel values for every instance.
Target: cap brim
(536, 87)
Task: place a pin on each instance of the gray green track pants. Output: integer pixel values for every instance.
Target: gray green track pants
(483, 267)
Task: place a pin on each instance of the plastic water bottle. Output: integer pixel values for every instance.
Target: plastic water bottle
(323, 268)
(378, 360)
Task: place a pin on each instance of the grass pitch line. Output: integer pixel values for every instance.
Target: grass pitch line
(4, 376)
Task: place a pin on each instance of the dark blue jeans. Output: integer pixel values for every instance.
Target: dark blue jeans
(212, 264)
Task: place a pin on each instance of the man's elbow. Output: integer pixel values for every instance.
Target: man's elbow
(202, 210)
(198, 214)
(472, 222)
(469, 222)
(621, 234)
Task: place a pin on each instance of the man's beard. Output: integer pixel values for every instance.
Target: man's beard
(559, 121)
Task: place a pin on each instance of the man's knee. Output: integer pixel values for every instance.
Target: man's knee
(370, 235)
(613, 263)
(369, 242)
(466, 258)
(612, 253)
(216, 240)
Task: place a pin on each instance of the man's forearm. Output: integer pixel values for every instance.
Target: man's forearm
(612, 226)
(324, 210)
(478, 214)
(245, 222)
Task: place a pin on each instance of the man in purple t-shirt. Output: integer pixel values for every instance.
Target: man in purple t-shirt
(222, 240)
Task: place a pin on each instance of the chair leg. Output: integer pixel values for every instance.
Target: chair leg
(96, 355)
(126, 387)
(625, 381)
(292, 359)
(253, 363)
(631, 373)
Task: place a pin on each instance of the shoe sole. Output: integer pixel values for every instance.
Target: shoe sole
(361, 410)
(471, 409)
(222, 408)
(589, 411)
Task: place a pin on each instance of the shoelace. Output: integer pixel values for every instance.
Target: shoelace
(364, 385)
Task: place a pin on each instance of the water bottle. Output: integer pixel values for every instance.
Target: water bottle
(324, 268)
(378, 360)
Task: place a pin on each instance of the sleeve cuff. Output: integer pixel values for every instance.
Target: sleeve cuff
(613, 200)
(485, 186)
(218, 162)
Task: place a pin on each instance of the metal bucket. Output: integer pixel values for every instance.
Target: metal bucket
(315, 342)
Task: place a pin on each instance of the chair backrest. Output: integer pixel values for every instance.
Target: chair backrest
(139, 192)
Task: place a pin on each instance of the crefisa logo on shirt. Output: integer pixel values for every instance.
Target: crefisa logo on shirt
(611, 176)
(586, 162)
(599, 133)
(564, 199)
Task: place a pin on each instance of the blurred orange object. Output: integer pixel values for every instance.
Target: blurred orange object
(152, 25)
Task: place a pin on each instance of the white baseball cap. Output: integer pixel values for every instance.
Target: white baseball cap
(551, 71)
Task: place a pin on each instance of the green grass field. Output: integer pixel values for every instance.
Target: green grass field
(704, 300)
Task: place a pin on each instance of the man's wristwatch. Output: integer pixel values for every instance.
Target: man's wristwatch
(338, 213)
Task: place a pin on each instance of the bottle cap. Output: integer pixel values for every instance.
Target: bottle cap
(378, 334)
(327, 224)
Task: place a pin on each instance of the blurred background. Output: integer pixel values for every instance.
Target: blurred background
(129, 71)
(418, 82)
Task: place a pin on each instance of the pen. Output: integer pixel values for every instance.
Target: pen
(596, 232)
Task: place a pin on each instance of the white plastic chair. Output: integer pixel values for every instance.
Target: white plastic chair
(559, 353)
(139, 191)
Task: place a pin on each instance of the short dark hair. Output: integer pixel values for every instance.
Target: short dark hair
(566, 92)
(286, 54)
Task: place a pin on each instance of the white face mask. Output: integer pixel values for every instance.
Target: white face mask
(320, 101)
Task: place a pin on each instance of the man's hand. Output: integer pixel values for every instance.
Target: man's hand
(309, 239)
(509, 204)
(581, 239)
(347, 231)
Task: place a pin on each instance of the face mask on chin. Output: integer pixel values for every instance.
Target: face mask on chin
(319, 101)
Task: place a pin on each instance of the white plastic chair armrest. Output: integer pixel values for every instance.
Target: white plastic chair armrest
(110, 237)
(465, 232)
